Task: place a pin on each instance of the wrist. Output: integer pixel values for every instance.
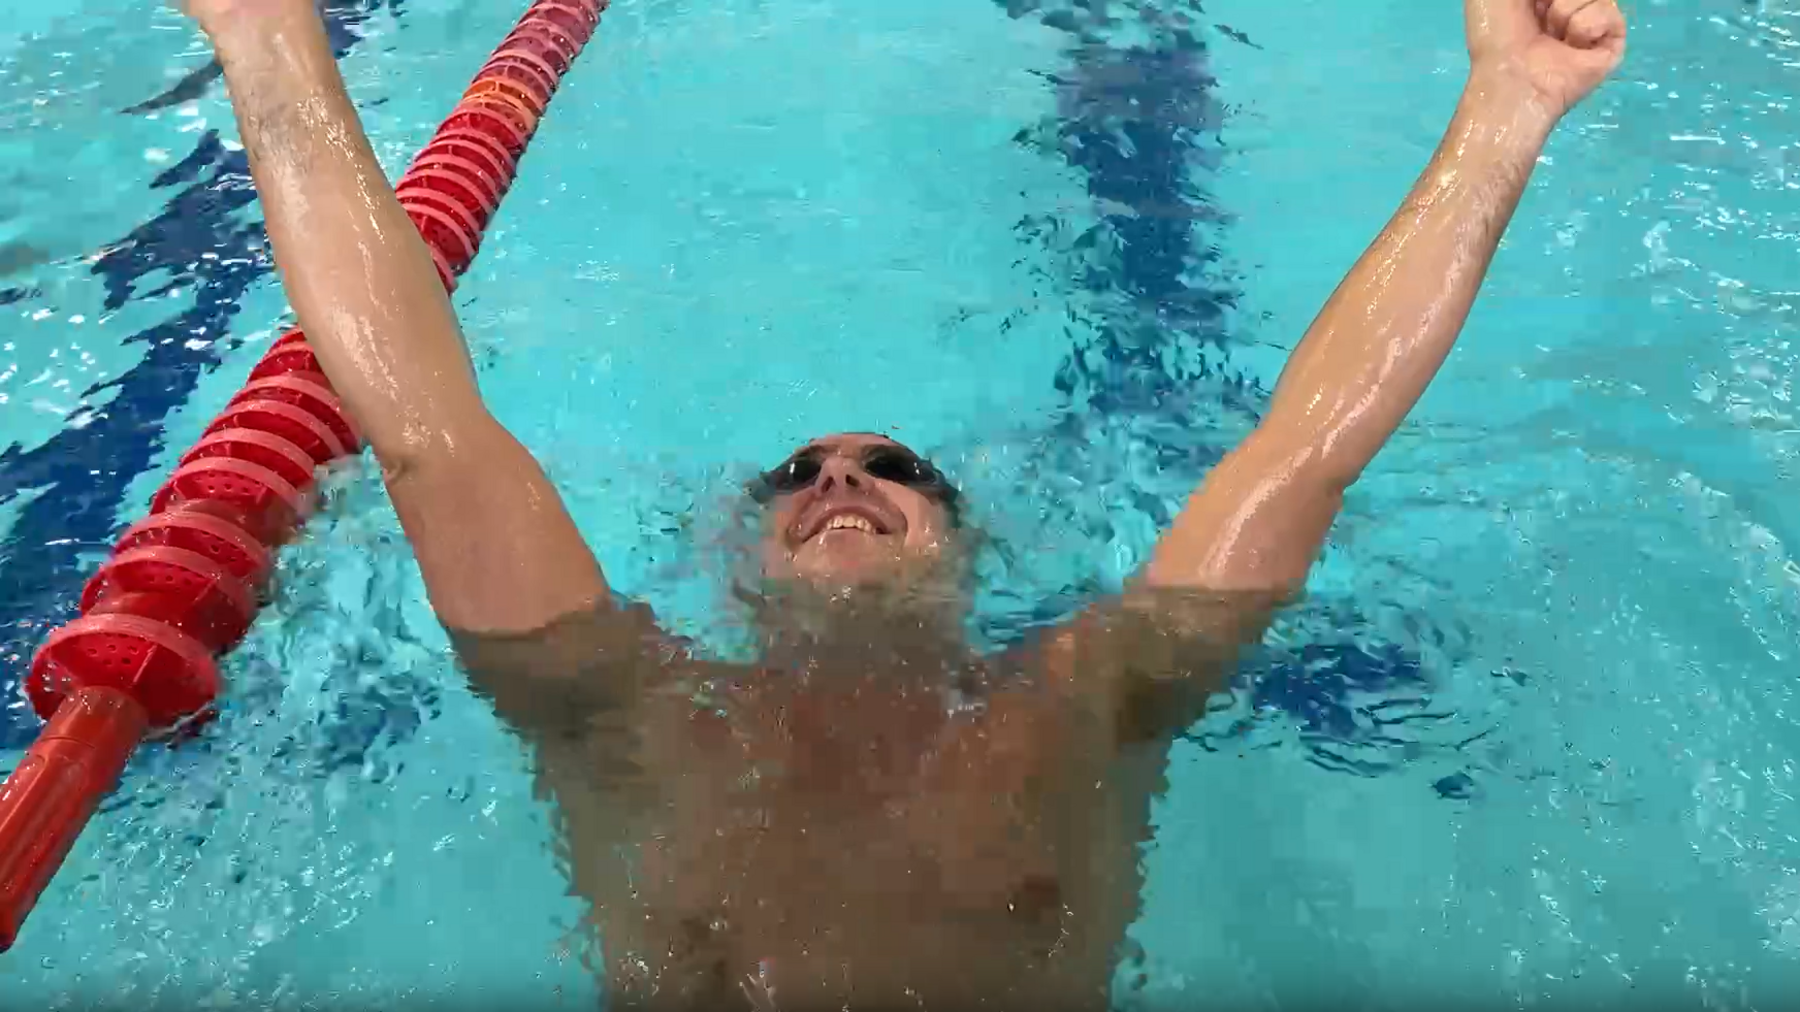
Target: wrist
(246, 27)
(1500, 101)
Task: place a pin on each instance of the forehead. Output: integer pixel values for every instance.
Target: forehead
(846, 442)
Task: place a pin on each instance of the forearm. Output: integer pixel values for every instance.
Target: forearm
(500, 553)
(355, 269)
(1258, 520)
(1382, 336)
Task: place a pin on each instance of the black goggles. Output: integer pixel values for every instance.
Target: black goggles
(888, 463)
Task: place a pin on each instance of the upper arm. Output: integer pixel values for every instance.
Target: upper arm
(584, 672)
(588, 693)
(497, 547)
(1149, 660)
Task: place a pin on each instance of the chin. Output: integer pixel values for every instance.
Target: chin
(846, 572)
(835, 569)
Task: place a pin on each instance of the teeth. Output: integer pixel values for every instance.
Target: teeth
(846, 521)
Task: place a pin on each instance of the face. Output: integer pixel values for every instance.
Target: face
(853, 509)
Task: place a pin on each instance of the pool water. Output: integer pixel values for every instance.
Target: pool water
(1528, 742)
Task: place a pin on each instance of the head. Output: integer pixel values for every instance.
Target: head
(856, 509)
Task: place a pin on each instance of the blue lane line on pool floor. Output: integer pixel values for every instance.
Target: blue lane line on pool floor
(1132, 118)
(85, 470)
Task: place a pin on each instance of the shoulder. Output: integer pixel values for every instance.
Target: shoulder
(1150, 659)
(589, 667)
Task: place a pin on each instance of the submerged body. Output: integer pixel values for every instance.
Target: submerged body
(871, 816)
(864, 822)
(860, 846)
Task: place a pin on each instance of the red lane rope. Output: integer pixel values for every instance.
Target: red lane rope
(182, 586)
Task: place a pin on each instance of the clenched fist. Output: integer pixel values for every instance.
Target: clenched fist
(214, 15)
(1562, 49)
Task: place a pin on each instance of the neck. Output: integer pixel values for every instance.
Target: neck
(873, 627)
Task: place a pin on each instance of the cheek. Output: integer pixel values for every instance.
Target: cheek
(925, 523)
(778, 519)
(776, 562)
(772, 546)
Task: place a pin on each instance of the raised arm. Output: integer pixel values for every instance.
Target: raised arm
(1258, 522)
(498, 550)
(1249, 534)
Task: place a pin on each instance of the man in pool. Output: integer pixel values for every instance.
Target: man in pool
(871, 816)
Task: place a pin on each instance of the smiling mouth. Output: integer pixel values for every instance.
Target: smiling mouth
(850, 519)
(848, 522)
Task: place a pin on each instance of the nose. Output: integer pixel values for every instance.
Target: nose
(839, 470)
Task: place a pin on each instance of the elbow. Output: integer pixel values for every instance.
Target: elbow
(403, 454)
(419, 447)
(1335, 474)
(1317, 459)
(1326, 445)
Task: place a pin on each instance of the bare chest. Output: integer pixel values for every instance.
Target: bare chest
(858, 843)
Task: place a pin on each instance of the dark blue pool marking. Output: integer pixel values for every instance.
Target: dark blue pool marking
(1130, 117)
(197, 240)
(190, 87)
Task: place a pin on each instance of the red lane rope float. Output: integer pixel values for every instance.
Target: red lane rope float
(445, 272)
(470, 156)
(513, 90)
(278, 418)
(179, 588)
(490, 124)
(309, 391)
(293, 356)
(524, 67)
(183, 584)
(517, 111)
(207, 534)
(477, 147)
(443, 232)
(466, 190)
(544, 40)
(293, 464)
(259, 500)
(444, 197)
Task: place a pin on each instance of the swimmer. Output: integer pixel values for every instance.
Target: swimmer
(840, 825)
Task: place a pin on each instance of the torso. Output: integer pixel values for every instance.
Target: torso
(857, 843)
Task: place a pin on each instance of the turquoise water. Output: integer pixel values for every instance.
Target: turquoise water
(745, 223)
